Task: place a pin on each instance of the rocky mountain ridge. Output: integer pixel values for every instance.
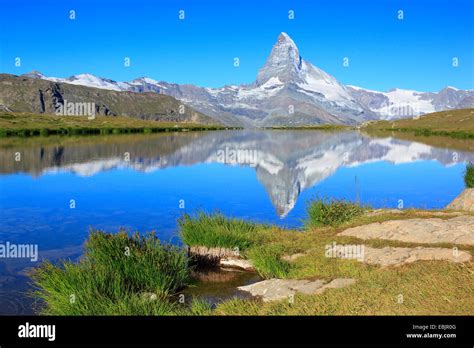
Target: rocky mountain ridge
(288, 91)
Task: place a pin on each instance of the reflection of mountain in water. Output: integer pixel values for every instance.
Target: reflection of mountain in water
(286, 162)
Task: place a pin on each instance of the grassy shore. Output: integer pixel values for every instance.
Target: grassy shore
(447, 129)
(217, 231)
(148, 279)
(427, 287)
(118, 275)
(457, 124)
(22, 124)
(469, 176)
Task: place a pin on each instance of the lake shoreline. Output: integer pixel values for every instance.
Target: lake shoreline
(437, 124)
(458, 124)
(303, 272)
(287, 258)
(34, 125)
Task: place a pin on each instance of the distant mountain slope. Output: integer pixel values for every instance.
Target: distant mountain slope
(399, 103)
(453, 120)
(288, 91)
(37, 95)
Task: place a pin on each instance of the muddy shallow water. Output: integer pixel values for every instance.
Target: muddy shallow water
(216, 285)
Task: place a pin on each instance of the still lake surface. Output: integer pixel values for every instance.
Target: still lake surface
(146, 182)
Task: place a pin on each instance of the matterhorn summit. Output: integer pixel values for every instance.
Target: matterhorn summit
(283, 63)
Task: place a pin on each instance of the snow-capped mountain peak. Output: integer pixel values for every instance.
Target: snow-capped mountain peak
(289, 90)
(318, 81)
(285, 38)
(86, 79)
(94, 81)
(284, 61)
(34, 74)
(144, 79)
(286, 64)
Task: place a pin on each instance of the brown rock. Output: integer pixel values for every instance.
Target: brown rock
(465, 201)
(237, 263)
(458, 230)
(280, 289)
(390, 256)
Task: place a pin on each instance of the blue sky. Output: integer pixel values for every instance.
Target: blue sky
(384, 52)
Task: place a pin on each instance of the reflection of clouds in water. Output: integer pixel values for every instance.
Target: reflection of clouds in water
(90, 168)
(288, 162)
(402, 152)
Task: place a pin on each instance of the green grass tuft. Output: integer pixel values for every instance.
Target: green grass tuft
(268, 262)
(29, 125)
(331, 213)
(216, 230)
(112, 278)
(143, 260)
(469, 175)
(200, 307)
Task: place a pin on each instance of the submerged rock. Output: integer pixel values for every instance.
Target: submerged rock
(214, 275)
(279, 289)
(465, 201)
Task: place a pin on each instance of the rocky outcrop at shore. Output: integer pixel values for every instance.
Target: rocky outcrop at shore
(431, 227)
(458, 230)
(465, 201)
(223, 257)
(391, 256)
(279, 289)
